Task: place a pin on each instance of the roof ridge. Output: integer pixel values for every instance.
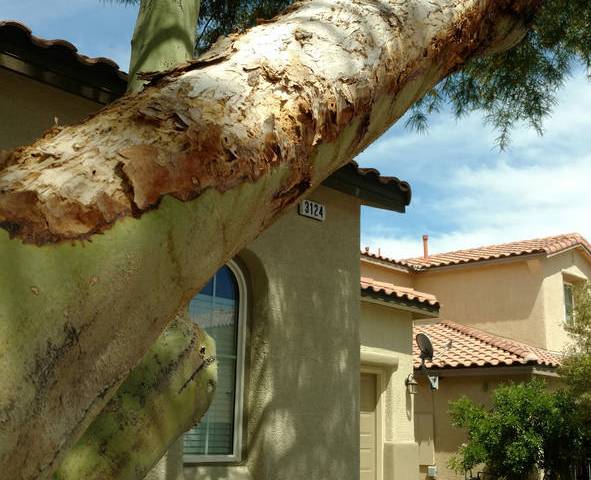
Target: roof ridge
(496, 245)
(367, 253)
(549, 245)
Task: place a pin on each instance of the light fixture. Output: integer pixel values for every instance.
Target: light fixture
(411, 384)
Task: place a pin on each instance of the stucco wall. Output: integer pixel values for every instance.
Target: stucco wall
(569, 266)
(447, 439)
(302, 376)
(505, 299)
(390, 330)
(28, 108)
(384, 273)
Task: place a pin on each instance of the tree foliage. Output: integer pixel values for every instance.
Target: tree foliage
(528, 427)
(518, 85)
(576, 368)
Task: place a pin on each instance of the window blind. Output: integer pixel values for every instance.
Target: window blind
(215, 309)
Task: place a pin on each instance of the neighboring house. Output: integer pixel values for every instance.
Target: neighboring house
(468, 362)
(520, 290)
(286, 311)
(388, 447)
(502, 317)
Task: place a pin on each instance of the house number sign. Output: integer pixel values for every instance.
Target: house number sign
(311, 209)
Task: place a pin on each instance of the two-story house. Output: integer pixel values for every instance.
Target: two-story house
(502, 314)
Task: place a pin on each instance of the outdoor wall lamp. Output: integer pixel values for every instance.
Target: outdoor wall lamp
(411, 384)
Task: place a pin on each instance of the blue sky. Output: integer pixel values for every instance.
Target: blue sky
(465, 192)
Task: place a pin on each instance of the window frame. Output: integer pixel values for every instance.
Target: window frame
(567, 320)
(236, 455)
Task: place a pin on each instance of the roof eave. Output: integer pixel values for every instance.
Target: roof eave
(489, 370)
(58, 63)
(370, 191)
(419, 310)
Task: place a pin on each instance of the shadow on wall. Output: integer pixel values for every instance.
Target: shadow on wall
(301, 400)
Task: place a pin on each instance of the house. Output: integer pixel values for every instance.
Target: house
(501, 318)
(388, 447)
(288, 312)
(470, 362)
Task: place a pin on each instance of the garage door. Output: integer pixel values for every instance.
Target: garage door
(368, 428)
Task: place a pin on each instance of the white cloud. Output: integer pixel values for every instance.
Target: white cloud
(499, 204)
(408, 246)
(467, 194)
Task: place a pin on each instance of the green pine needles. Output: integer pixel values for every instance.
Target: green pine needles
(518, 85)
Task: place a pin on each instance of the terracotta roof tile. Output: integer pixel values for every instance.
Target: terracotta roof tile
(366, 253)
(17, 40)
(396, 292)
(458, 345)
(373, 176)
(60, 43)
(547, 245)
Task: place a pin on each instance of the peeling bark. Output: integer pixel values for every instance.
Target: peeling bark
(180, 177)
(164, 396)
(270, 96)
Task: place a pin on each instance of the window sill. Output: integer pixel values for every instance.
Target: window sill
(225, 472)
(211, 459)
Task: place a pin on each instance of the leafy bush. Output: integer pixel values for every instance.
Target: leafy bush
(528, 428)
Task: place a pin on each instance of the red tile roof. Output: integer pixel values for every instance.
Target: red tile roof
(375, 176)
(366, 253)
(458, 345)
(396, 292)
(17, 29)
(373, 189)
(61, 58)
(547, 245)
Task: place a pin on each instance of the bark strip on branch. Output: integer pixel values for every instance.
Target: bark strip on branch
(181, 177)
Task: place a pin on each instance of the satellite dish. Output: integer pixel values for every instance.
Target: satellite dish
(425, 346)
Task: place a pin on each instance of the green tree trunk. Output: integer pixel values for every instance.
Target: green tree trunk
(167, 393)
(164, 37)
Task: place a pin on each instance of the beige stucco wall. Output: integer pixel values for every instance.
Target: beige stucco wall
(389, 330)
(385, 273)
(505, 298)
(434, 405)
(302, 375)
(519, 299)
(569, 266)
(28, 108)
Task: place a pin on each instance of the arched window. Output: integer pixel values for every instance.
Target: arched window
(219, 308)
